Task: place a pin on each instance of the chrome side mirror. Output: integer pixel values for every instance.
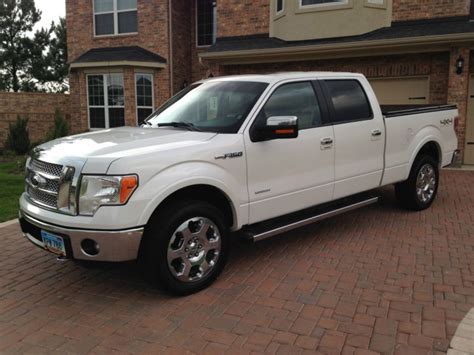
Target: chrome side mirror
(278, 127)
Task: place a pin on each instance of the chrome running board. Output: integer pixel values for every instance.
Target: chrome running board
(261, 235)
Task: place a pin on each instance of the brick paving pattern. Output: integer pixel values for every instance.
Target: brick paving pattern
(376, 280)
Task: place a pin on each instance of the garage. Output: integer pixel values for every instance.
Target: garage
(406, 91)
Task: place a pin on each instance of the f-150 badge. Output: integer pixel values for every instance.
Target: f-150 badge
(230, 155)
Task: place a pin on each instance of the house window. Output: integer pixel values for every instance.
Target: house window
(279, 6)
(314, 3)
(114, 17)
(206, 22)
(144, 87)
(106, 100)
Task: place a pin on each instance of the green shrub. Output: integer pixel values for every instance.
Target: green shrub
(60, 128)
(18, 139)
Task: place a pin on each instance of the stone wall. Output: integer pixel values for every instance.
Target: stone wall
(39, 108)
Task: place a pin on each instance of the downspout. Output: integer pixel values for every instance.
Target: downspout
(170, 46)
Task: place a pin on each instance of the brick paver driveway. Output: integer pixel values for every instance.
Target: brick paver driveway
(378, 279)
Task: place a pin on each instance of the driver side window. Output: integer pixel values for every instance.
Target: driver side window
(294, 99)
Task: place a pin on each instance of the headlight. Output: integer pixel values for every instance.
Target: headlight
(99, 191)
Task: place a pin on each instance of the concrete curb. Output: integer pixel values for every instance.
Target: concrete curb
(8, 223)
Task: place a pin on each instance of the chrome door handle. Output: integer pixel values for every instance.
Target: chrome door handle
(326, 141)
(376, 133)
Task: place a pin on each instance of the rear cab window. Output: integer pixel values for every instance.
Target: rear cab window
(347, 100)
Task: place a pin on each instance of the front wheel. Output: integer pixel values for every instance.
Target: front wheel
(186, 246)
(420, 190)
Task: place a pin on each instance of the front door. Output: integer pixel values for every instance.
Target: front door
(287, 175)
(469, 148)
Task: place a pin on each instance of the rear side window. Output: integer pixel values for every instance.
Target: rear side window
(349, 100)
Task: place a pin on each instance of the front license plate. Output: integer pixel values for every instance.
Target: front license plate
(53, 243)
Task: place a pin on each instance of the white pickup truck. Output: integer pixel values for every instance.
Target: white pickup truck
(259, 154)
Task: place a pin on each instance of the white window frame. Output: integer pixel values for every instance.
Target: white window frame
(106, 100)
(279, 12)
(152, 93)
(214, 28)
(329, 4)
(115, 12)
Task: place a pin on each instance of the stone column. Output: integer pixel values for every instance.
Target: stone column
(458, 90)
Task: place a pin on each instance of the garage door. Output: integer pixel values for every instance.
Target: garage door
(401, 91)
(469, 149)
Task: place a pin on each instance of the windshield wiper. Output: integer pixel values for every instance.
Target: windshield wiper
(187, 125)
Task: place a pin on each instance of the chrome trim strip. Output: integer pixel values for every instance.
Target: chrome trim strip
(45, 175)
(304, 222)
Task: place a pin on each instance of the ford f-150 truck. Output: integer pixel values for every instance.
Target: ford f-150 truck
(258, 154)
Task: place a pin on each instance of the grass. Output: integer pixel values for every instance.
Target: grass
(12, 185)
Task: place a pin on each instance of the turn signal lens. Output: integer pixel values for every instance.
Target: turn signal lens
(128, 184)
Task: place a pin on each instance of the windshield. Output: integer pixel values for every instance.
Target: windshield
(216, 106)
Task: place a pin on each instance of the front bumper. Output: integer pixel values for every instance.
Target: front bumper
(114, 246)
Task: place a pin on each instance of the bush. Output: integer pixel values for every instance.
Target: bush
(18, 139)
(60, 128)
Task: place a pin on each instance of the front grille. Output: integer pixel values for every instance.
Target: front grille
(46, 193)
(42, 197)
(48, 168)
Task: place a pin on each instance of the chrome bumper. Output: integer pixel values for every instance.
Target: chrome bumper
(114, 246)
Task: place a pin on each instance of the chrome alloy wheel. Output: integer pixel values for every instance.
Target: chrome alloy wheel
(426, 183)
(194, 249)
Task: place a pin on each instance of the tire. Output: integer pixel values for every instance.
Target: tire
(185, 246)
(425, 173)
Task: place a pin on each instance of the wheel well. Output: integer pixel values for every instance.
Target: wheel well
(432, 149)
(205, 193)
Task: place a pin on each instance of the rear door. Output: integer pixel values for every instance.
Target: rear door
(287, 175)
(359, 136)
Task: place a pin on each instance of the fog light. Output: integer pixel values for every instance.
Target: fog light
(90, 247)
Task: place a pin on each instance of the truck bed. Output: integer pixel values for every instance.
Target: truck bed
(404, 110)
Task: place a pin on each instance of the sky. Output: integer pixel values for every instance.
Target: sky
(51, 10)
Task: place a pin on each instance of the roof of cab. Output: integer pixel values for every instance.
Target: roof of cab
(276, 77)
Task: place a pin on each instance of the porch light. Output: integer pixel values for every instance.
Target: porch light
(459, 65)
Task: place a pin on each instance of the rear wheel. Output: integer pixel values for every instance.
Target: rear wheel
(420, 190)
(186, 247)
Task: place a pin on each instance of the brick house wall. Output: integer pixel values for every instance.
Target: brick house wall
(153, 35)
(242, 17)
(433, 65)
(152, 28)
(39, 108)
(423, 9)
(182, 43)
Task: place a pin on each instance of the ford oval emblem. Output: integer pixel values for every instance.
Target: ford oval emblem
(38, 181)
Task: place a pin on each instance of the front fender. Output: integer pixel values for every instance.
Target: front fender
(183, 175)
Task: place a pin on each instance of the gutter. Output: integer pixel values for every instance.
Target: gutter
(117, 63)
(346, 49)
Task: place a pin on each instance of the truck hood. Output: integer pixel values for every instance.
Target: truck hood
(99, 149)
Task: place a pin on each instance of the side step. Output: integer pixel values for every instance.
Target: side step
(284, 224)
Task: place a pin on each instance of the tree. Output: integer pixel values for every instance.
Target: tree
(17, 18)
(58, 54)
(29, 62)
